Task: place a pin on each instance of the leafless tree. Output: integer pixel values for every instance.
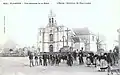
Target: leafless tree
(98, 42)
(86, 42)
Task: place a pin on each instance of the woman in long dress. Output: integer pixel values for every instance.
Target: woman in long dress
(103, 62)
(88, 60)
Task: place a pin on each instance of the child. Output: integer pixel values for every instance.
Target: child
(40, 60)
(36, 60)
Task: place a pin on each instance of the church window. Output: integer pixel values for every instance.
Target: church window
(92, 38)
(40, 32)
(51, 37)
(49, 20)
(51, 48)
(52, 20)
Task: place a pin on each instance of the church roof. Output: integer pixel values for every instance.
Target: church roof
(76, 39)
(81, 31)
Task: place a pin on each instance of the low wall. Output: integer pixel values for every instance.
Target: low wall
(41, 53)
(11, 55)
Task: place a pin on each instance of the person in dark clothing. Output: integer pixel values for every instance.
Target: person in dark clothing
(69, 60)
(102, 57)
(57, 60)
(53, 60)
(36, 60)
(40, 60)
(75, 55)
(116, 55)
(92, 57)
(65, 57)
(96, 57)
(48, 59)
(59, 56)
(31, 60)
(103, 62)
(109, 57)
(88, 60)
(80, 54)
(44, 59)
(80, 59)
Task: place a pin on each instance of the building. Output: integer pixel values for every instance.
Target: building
(53, 37)
(84, 39)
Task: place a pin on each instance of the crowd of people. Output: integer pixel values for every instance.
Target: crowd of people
(99, 60)
(103, 61)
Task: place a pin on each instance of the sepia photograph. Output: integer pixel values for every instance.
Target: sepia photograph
(59, 37)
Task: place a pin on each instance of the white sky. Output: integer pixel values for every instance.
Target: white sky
(22, 21)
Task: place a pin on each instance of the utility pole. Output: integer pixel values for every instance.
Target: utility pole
(67, 35)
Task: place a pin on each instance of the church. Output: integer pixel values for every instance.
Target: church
(53, 37)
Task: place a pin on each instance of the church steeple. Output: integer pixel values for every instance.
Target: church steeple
(51, 19)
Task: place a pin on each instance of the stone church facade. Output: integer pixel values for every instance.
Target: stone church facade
(53, 37)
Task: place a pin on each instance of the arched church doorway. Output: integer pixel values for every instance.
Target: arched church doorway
(51, 48)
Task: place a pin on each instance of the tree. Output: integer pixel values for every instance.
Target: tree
(86, 42)
(98, 42)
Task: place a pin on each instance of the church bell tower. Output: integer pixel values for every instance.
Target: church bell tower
(52, 20)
